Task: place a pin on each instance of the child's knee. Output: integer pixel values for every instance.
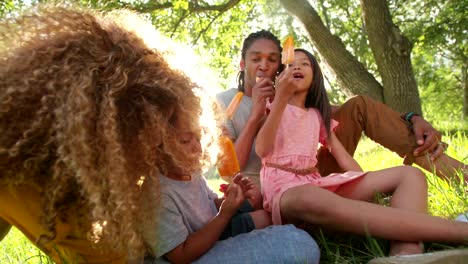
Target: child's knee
(416, 175)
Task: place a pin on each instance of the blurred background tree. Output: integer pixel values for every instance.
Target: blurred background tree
(411, 55)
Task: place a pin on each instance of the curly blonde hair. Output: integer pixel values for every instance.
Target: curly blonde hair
(87, 111)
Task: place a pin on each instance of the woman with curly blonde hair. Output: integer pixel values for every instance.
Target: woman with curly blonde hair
(88, 122)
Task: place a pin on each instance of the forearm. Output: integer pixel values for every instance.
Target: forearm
(344, 159)
(4, 228)
(200, 242)
(267, 134)
(218, 202)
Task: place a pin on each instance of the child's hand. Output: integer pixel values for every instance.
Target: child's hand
(232, 201)
(285, 85)
(250, 189)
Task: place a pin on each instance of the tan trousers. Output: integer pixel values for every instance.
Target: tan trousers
(378, 121)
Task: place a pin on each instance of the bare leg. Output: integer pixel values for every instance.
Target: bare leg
(409, 188)
(318, 206)
(261, 219)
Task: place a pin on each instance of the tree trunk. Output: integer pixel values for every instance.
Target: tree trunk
(465, 90)
(351, 75)
(392, 53)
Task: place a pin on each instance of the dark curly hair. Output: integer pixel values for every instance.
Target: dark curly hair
(87, 111)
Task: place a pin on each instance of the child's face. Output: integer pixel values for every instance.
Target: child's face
(191, 140)
(188, 140)
(302, 71)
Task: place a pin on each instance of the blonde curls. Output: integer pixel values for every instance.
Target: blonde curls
(86, 112)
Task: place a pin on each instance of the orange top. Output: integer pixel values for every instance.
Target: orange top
(20, 206)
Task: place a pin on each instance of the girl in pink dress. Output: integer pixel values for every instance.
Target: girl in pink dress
(294, 191)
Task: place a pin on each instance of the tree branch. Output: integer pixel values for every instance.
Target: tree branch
(194, 7)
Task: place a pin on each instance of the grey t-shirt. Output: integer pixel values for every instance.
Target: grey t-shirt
(237, 124)
(186, 207)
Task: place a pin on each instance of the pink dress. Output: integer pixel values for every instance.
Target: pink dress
(299, 134)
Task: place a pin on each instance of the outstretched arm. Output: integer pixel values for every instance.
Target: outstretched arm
(344, 159)
(4, 228)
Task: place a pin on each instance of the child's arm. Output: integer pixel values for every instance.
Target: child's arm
(344, 159)
(267, 134)
(198, 243)
(218, 202)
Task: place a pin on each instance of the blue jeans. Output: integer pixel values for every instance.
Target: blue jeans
(274, 244)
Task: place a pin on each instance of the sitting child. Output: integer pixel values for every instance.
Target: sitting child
(192, 217)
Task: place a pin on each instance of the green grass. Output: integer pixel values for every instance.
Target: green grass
(16, 248)
(446, 199)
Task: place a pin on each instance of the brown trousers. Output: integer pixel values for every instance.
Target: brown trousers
(378, 121)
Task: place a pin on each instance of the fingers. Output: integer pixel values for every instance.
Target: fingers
(246, 181)
(439, 150)
(263, 90)
(237, 178)
(243, 182)
(419, 134)
(235, 194)
(426, 136)
(430, 140)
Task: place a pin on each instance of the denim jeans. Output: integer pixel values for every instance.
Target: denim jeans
(274, 244)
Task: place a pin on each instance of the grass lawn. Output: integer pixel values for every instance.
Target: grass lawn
(446, 199)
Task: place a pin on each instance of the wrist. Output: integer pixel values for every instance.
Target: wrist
(225, 215)
(408, 117)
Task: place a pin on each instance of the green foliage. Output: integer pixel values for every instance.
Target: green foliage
(344, 19)
(438, 30)
(215, 35)
(15, 248)
(10, 6)
(439, 87)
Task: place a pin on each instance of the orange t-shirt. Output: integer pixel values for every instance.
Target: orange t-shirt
(20, 206)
